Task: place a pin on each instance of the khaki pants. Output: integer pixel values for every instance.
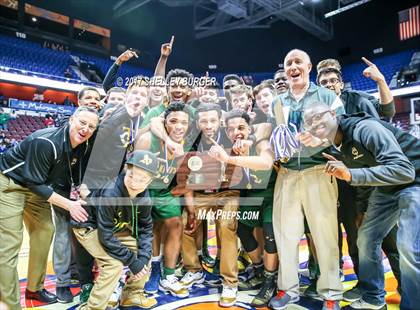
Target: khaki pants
(313, 193)
(226, 230)
(18, 205)
(110, 269)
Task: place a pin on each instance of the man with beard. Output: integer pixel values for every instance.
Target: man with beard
(354, 200)
(299, 178)
(36, 173)
(208, 124)
(167, 207)
(259, 186)
(377, 154)
(280, 81)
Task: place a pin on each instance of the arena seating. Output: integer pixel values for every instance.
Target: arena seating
(26, 55)
(23, 126)
(388, 65)
(31, 56)
(402, 120)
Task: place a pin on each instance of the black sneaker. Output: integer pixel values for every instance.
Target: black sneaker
(42, 296)
(251, 284)
(352, 295)
(64, 295)
(267, 291)
(310, 291)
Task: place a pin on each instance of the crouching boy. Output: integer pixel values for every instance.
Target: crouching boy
(118, 233)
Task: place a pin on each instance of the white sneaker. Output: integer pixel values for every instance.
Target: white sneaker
(361, 304)
(191, 278)
(171, 285)
(228, 297)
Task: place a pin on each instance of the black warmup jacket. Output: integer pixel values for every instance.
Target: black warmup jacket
(42, 162)
(112, 211)
(379, 154)
(357, 101)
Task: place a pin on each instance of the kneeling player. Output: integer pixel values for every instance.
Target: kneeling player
(118, 233)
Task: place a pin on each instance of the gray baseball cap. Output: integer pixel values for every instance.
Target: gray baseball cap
(145, 160)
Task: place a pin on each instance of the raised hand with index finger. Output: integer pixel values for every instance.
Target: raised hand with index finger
(218, 152)
(166, 48)
(372, 71)
(126, 56)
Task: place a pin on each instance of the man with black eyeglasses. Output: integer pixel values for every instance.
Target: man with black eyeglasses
(354, 201)
(329, 76)
(376, 154)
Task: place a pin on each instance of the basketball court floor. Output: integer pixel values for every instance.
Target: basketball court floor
(205, 296)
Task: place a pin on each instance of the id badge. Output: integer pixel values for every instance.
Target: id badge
(74, 192)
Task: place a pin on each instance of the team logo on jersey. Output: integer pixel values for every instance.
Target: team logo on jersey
(355, 153)
(125, 137)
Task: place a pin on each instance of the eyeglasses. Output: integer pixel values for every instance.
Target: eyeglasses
(331, 81)
(315, 118)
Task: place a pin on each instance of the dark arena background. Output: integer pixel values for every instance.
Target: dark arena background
(50, 51)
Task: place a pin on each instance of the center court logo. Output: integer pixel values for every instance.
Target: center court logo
(220, 214)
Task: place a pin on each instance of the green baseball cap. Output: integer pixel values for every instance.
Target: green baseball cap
(145, 160)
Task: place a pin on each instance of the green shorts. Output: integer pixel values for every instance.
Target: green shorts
(265, 214)
(265, 210)
(165, 205)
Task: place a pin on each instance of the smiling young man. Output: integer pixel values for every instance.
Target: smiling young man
(167, 207)
(257, 185)
(89, 97)
(179, 88)
(300, 177)
(118, 233)
(354, 200)
(208, 123)
(375, 153)
(34, 174)
(280, 81)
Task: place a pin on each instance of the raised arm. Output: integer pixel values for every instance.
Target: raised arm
(263, 161)
(165, 51)
(111, 75)
(385, 95)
